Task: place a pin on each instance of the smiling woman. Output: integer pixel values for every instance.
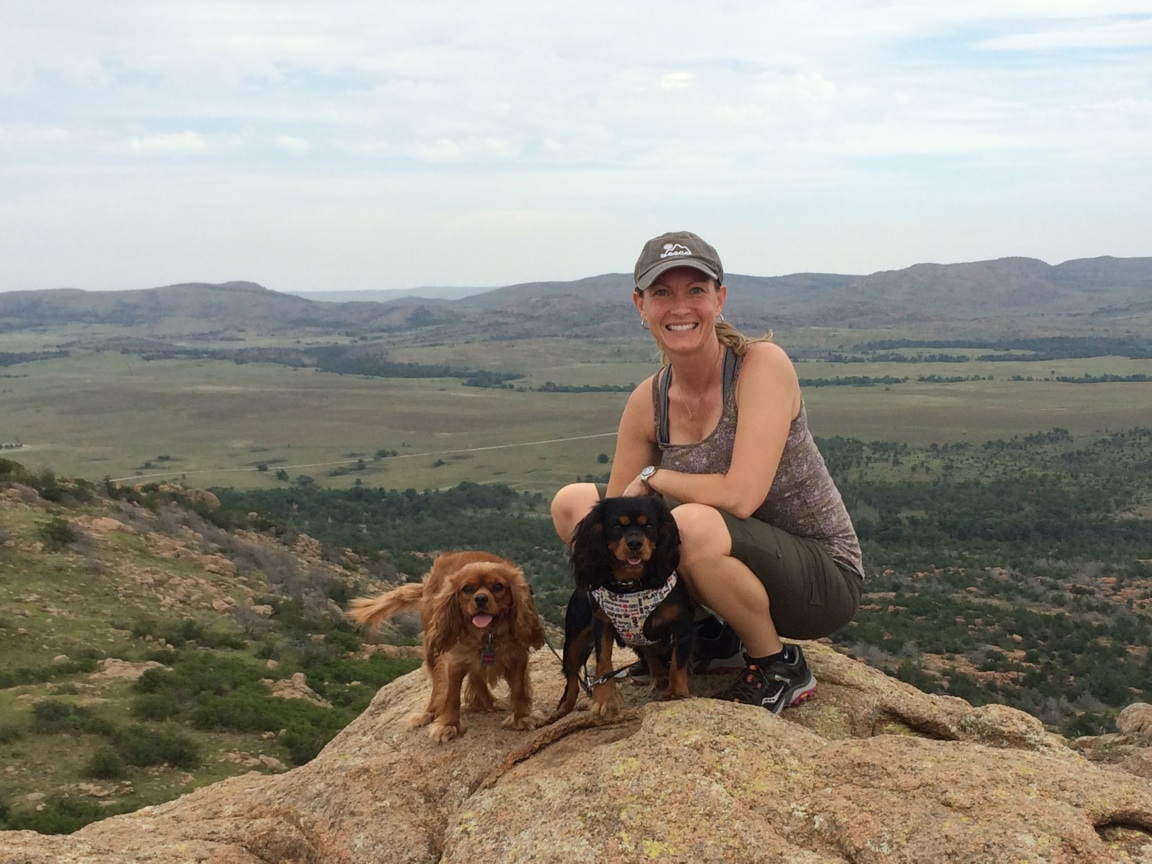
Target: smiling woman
(721, 433)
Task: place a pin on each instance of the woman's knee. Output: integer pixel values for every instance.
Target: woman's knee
(571, 504)
(702, 531)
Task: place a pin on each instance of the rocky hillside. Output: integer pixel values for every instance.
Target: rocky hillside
(148, 651)
(871, 770)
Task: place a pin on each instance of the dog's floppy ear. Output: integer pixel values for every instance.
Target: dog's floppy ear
(525, 626)
(666, 556)
(590, 565)
(445, 624)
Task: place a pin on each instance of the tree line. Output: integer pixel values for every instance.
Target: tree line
(939, 526)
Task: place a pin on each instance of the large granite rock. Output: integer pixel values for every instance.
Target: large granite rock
(871, 770)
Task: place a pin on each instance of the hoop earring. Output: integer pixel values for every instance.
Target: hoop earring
(720, 318)
(644, 323)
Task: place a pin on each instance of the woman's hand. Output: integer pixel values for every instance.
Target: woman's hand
(638, 486)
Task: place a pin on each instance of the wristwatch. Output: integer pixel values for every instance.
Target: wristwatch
(647, 473)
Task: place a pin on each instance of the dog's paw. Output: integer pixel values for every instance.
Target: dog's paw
(606, 707)
(561, 712)
(481, 706)
(442, 733)
(524, 722)
(419, 718)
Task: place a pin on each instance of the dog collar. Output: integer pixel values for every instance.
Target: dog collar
(488, 652)
(629, 610)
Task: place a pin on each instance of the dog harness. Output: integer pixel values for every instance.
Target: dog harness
(629, 610)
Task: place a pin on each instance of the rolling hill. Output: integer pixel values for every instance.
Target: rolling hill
(1105, 295)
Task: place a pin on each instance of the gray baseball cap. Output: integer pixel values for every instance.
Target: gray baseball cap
(676, 249)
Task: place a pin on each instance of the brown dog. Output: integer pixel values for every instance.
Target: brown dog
(479, 624)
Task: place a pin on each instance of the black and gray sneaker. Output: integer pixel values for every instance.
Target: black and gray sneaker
(638, 672)
(777, 686)
(718, 650)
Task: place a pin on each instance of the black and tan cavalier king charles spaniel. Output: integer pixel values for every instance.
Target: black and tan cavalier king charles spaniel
(624, 558)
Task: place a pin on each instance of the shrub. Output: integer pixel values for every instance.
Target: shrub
(40, 674)
(61, 814)
(10, 470)
(53, 716)
(56, 533)
(106, 764)
(154, 706)
(141, 746)
(343, 639)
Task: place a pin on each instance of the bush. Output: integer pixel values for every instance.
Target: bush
(62, 814)
(56, 533)
(154, 706)
(181, 631)
(142, 747)
(106, 764)
(53, 716)
(40, 674)
(345, 640)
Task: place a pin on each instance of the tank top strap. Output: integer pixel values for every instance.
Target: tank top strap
(731, 366)
(662, 380)
(660, 383)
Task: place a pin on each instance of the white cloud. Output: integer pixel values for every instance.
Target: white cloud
(1124, 33)
(186, 142)
(34, 137)
(292, 144)
(676, 80)
(179, 142)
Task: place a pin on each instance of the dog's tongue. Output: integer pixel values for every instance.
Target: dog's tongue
(632, 562)
(481, 621)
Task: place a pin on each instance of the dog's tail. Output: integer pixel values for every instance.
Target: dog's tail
(373, 610)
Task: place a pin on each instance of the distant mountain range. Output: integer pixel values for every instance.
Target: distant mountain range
(1008, 295)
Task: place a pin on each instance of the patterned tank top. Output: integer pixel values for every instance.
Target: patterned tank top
(803, 499)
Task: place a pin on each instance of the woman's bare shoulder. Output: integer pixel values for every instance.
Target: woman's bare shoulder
(768, 372)
(640, 399)
(767, 356)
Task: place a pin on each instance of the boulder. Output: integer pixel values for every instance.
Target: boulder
(871, 770)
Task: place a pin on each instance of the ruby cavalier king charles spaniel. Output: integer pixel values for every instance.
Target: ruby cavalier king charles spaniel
(479, 626)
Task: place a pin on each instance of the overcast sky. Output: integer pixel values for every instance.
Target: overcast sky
(369, 144)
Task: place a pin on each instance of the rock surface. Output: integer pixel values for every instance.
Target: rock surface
(871, 770)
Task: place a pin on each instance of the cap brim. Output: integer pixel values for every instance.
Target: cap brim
(648, 278)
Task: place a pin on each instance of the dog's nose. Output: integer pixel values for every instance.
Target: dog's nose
(481, 600)
(634, 543)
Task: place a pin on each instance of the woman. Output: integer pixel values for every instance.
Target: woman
(721, 431)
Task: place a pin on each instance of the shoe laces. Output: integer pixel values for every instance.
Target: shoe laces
(751, 683)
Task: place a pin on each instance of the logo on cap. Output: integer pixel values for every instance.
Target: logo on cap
(673, 249)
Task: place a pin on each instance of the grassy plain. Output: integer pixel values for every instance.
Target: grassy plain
(100, 413)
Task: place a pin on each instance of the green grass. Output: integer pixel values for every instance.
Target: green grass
(214, 423)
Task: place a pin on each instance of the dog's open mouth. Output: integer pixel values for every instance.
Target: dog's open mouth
(482, 620)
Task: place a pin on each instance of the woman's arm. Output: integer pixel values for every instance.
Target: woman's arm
(635, 442)
(768, 400)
